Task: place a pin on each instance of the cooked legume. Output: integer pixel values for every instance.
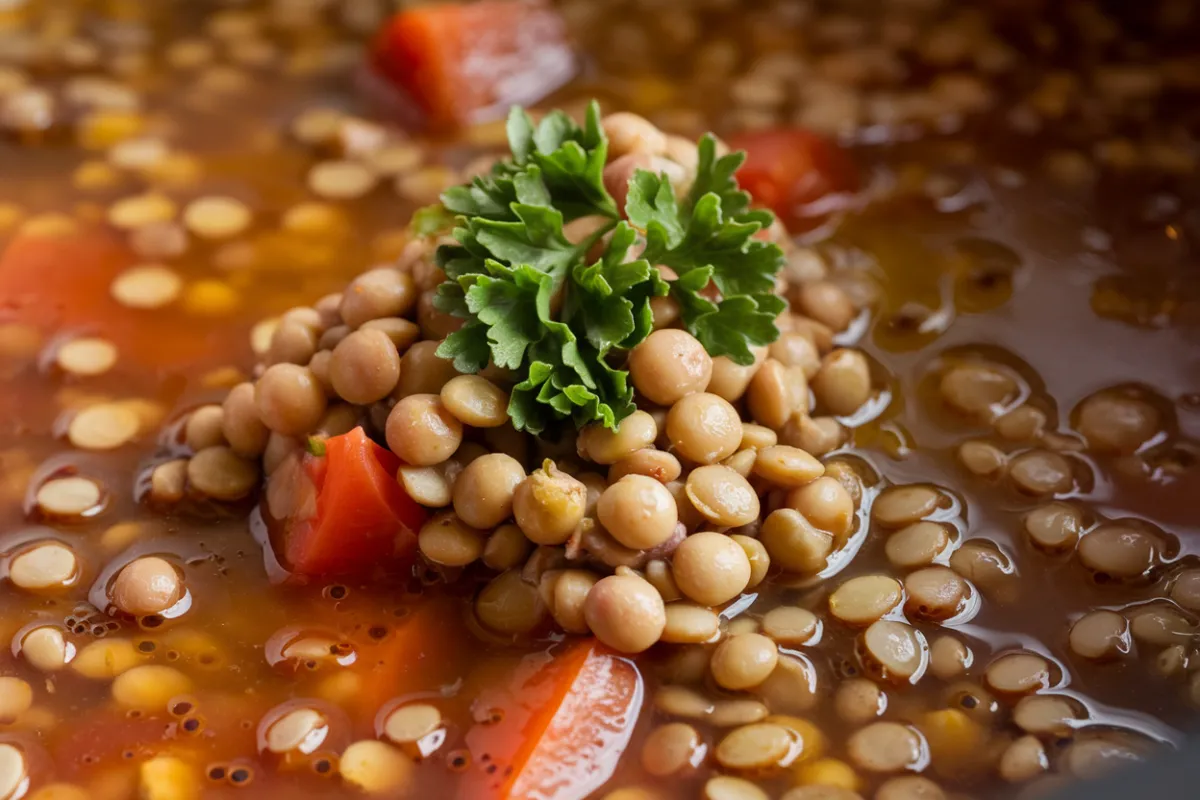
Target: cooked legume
(794, 543)
(422, 431)
(43, 567)
(862, 600)
(638, 512)
(704, 428)
(722, 496)
(952, 458)
(669, 365)
(710, 568)
(146, 585)
(625, 612)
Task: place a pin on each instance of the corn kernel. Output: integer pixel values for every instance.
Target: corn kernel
(826, 772)
(168, 778)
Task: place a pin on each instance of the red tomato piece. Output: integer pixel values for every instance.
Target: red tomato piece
(363, 517)
(464, 63)
(795, 173)
(560, 729)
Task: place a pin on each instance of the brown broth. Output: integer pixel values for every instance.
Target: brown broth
(965, 243)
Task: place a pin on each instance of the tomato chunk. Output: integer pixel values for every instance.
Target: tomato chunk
(363, 518)
(795, 173)
(466, 63)
(560, 728)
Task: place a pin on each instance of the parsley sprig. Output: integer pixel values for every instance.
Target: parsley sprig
(534, 303)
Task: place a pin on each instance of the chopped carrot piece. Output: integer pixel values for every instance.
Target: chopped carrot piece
(463, 63)
(559, 730)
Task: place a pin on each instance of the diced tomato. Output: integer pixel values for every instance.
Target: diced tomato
(363, 518)
(558, 731)
(795, 173)
(60, 282)
(465, 63)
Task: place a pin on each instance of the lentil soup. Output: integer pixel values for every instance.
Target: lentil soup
(890, 497)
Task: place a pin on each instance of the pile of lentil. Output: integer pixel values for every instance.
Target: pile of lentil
(930, 544)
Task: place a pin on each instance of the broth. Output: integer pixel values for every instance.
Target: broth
(1010, 218)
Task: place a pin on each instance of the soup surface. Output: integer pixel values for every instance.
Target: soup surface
(938, 539)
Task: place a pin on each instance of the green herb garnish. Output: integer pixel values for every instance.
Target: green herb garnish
(315, 445)
(534, 304)
(432, 220)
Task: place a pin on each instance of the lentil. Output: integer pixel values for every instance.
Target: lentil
(669, 365)
(885, 747)
(863, 600)
(710, 568)
(638, 512)
(704, 428)
(87, 356)
(47, 566)
(625, 612)
(671, 748)
(794, 543)
(103, 427)
(790, 625)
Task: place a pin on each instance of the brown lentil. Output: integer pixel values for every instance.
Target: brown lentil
(625, 612)
(722, 496)
(221, 474)
(638, 512)
(826, 504)
(776, 393)
(704, 428)
(710, 568)
(604, 446)
(422, 431)
(885, 747)
(843, 383)
(484, 491)
(1018, 673)
(863, 600)
(794, 543)
(671, 749)
(669, 365)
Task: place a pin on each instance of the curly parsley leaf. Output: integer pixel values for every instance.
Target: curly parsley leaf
(432, 220)
(705, 236)
(534, 302)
